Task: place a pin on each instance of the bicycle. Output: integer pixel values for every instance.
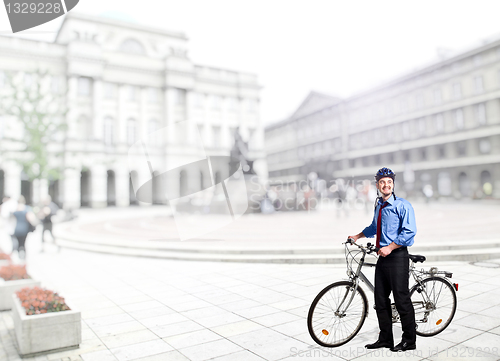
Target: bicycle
(339, 311)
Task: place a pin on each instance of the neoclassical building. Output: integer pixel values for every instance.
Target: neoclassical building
(124, 82)
(438, 127)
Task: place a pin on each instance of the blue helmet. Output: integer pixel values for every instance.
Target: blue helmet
(385, 172)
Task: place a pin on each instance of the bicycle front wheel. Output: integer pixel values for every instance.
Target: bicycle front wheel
(337, 314)
(435, 303)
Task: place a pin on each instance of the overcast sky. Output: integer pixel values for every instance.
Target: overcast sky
(331, 46)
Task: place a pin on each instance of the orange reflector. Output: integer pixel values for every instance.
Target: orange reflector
(325, 332)
(439, 321)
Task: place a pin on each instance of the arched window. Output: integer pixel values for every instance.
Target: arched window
(486, 183)
(463, 184)
(132, 46)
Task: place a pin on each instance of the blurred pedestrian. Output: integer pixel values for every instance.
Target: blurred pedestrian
(25, 223)
(9, 206)
(48, 209)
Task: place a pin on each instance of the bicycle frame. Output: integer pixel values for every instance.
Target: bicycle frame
(418, 276)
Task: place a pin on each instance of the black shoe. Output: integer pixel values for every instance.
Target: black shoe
(404, 346)
(379, 344)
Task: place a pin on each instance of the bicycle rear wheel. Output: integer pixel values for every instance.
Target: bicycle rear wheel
(328, 322)
(435, 314)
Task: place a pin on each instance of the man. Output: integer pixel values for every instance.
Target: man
(47, 210)
(395, 228)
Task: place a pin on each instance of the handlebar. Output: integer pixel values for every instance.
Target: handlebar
(369, 247)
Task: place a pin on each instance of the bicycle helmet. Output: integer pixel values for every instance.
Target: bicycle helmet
(385, 172)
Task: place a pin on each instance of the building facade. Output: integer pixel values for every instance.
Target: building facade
(123, 82)
(437, 128)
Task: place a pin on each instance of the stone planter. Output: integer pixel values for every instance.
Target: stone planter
(45, 332)
(7, 289)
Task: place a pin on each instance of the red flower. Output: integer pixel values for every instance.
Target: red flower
(36, 300)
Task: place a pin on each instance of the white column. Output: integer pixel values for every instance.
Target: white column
(12, 174)
(70, 185)
(191, 126)
(143, 120)
(169, 111)
(72, 106)
(122, 186)
(97, 121)
(99, 185)
(121, 125)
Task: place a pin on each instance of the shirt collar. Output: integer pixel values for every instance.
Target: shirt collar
(390, 200)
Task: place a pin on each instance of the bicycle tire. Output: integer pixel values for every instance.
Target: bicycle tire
(442, 307)
(328, 329)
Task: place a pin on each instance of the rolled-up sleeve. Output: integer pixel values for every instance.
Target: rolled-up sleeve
(408, 225)
(371, 230)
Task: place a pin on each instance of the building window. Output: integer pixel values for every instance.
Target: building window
(180, 97)
(153, 127)
(407, 156)
(404, 105)
(423, 154)
(252, 105)
(133, 93)
(232, 104)
(438, 98)
(108, 131)
(461, 148)
(2, 127)
(484, 146)
(421, 126)
(132, 46)
(216, 137)
(420, 101)
(459, 119)
(28, 80)
(439, 121)
(84, 86)
(457, 91)
(55, 84)
(216, 100)
(441, 151)
(110, 90)
(131, 131)
(444, 184)
(477, 60)
(83, 127)
(480, 112)
(406, 130)
(153, 95)
(478, 84)
(198, 100)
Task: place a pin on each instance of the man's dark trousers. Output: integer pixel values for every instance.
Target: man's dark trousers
(392, 274)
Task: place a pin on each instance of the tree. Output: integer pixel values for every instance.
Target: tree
(30, 100)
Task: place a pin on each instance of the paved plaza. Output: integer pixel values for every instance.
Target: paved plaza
(138, 308)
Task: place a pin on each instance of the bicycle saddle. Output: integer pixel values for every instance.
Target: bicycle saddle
(417, 258)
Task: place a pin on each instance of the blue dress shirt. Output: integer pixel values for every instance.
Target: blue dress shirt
(398, 223)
